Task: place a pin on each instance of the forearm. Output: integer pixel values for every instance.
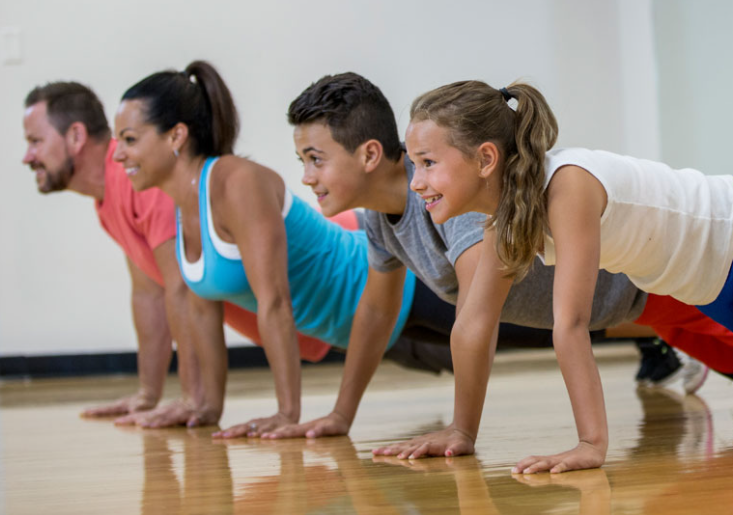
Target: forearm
(370, 335)
(207, 335)
(472, 361)
(579, 370)
(277, 327)
(189, 373)
(154, 343)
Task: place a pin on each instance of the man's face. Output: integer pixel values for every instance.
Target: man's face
(47, 154)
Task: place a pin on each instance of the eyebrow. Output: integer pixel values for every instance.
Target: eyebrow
(312, 149)
(125, 129)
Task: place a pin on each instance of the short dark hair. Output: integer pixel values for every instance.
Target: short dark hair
(71, 102)
(353, 108)
(197, 97)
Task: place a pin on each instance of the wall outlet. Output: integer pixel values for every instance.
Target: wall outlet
(10, 45)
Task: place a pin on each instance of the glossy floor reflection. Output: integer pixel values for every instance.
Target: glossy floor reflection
(669, 453)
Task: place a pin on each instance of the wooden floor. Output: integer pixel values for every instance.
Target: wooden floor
(669, 454)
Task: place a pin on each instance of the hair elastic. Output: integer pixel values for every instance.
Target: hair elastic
(505, 93)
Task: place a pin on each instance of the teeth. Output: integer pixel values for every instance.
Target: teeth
(132, 170)
(432, 199)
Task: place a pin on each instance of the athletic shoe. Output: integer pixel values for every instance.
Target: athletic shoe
(694, 374)
(659, 363)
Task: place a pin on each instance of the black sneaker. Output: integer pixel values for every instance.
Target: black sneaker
(668, 366)
(659, 362)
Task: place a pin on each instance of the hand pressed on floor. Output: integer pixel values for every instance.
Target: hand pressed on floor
(332, 424)
(584, 456)
(130, 404)
(256, 427)
(448, 442)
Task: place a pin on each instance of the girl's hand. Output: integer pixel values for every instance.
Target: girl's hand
(584, 456)
(332, 424)
(256, 427)
(448, 442)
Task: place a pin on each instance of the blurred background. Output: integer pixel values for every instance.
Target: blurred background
(648, 78)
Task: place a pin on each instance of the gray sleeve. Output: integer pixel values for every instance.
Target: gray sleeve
(462, 233)
(379, 258)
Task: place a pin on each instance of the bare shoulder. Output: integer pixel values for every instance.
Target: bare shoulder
(235, 168)
(236, 176)
(574, 184)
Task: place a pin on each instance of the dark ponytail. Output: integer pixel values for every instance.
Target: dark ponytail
(196, 97)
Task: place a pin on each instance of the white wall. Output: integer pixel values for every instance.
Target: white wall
(63, 283)
(695, 51)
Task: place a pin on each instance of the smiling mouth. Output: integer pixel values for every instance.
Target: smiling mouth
(431, 202)
(132, 170)
(320, 196)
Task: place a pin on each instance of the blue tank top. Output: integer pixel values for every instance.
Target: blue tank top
(327, 269)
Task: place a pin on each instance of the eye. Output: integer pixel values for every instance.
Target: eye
(129, 140)
(314, 159)
(427, 163)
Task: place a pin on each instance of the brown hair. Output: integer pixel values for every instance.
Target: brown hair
(70, 102)
(474, 113)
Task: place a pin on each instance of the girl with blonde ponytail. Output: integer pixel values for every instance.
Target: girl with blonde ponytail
(477, 148)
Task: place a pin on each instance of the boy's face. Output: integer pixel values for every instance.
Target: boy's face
(336, 175)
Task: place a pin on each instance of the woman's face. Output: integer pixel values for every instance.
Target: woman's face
(444, 177)
(146, 154)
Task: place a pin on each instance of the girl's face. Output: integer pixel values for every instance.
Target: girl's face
(147, 155)
(445, 178)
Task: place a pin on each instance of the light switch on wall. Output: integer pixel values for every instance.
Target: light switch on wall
(10, 45)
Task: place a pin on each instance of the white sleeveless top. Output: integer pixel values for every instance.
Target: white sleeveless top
(670, 231)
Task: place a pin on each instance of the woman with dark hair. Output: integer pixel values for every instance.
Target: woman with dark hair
(244, 238)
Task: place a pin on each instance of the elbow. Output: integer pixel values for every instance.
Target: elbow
(277, 307)
(473, 338)
(570, 331)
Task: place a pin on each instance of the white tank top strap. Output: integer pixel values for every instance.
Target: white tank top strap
(194, 272)
(287, 203)
(224, 248)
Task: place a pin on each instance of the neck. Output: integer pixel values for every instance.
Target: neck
(386, 190)
(487, 199)
(182, 183)
(89, 169)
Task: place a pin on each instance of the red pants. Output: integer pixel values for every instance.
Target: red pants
(684, 327)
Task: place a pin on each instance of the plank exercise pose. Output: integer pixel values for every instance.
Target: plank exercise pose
(668, 230)
(70, 147)
(346, 136)
(243, 237)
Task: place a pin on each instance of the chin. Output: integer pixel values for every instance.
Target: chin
(138, 185)
(328, 211)
(438, 218)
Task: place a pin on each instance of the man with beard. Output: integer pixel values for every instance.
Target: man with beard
(70, 147)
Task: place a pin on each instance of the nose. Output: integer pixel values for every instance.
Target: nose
(119, 154)
(29, 156)
(417, 184)
(308, 178)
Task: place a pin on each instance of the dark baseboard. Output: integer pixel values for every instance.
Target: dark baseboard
(119, 363)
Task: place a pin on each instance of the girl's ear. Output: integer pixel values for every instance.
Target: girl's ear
(488, 156)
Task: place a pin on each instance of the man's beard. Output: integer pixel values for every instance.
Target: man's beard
(58, 180)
